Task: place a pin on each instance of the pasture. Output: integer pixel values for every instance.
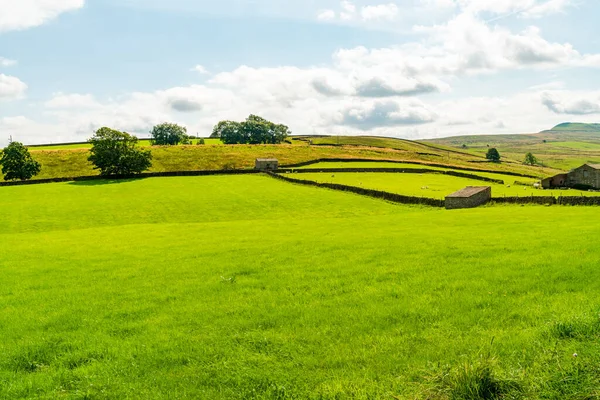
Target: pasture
(246, 287)
(434, 185)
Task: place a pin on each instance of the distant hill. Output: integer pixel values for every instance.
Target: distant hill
(574, 127)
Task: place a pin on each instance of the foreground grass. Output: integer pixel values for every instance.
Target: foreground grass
(250, 288)
(434, 185)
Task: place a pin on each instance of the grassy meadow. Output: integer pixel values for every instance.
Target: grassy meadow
(246, 287)
(57, 163)
(433, 185)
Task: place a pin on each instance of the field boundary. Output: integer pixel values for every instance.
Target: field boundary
(412, 162)
(138, 176)
(392, 197)
(392, 170)
(549, 200)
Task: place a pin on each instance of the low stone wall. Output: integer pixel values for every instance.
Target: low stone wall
(550, 200)
(412, 162)
(393, 197)
(142, 175)
(392, 170)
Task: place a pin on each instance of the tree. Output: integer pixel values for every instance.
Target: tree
(167, 134)
(493, 155)
(115, 153)
(17, 163)
(530, 159)
(254, 130)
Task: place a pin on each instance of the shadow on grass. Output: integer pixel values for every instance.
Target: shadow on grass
(102, 182)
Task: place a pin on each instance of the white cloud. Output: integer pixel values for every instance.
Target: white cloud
(524, 8)
(11, 87)
(200, 69)
(382, 11)
(71, 101)
(23, 14)
(326, 15)
(572, 103)
(5, 62)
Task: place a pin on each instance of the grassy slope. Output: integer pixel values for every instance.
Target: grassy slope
(565, 147)
(124, 290)
(73, 162)
(73, 146)
(433, 185)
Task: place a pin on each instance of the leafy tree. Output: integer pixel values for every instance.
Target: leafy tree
(493, 155)
(530, 159)
(17, 163)
(254, 130)
(167, 134)
(115, 153)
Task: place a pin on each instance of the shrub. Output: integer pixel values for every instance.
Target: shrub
(17, 163)
(115, 153)
(493, 155)
(167, 134)
(200, 142)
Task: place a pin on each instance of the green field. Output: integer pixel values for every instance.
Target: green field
(433, 185)
(246, 287)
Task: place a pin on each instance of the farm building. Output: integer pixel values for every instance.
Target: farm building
(267, 164)
(586, 176)
(469, 197)
(559, 180)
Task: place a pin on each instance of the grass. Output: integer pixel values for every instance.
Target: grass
(432, 185)
(245, 287)
(73, 162)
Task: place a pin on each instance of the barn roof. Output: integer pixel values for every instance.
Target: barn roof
(267, 159)
(595, 166)
(469, 191)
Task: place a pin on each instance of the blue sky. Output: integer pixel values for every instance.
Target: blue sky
(405, 68)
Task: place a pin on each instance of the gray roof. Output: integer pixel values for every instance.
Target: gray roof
(469, 191)
(595, 166)
(267, 159)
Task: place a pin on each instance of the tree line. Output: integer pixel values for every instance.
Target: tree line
(116, 153)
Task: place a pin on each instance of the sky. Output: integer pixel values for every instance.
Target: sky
(413, 69)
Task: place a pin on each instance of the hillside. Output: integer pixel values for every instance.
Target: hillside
(564, 147)
(65, 161)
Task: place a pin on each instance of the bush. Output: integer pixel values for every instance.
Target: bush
(17, 163)
(200, 142)
(167, 134)
(115, 153)
(530, 159)
(493, 155)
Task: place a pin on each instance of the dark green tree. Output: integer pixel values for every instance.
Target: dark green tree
(168, 134)
(493, 155)
(254, 130)
(530, 159)
(115, 153)
(17, 163)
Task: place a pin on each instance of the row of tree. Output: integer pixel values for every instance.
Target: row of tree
(254, 130)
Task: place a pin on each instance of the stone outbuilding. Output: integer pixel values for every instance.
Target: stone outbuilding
(586, 176)
(266, 164)
(560, 180)
(469, 197)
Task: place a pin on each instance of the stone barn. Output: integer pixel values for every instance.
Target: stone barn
(586, 176)
(560, 180)
(267, 164)
(469, 197)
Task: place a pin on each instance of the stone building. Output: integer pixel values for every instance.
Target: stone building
(469, 197)
(586, 176)
(267, 164)
(560, 180)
